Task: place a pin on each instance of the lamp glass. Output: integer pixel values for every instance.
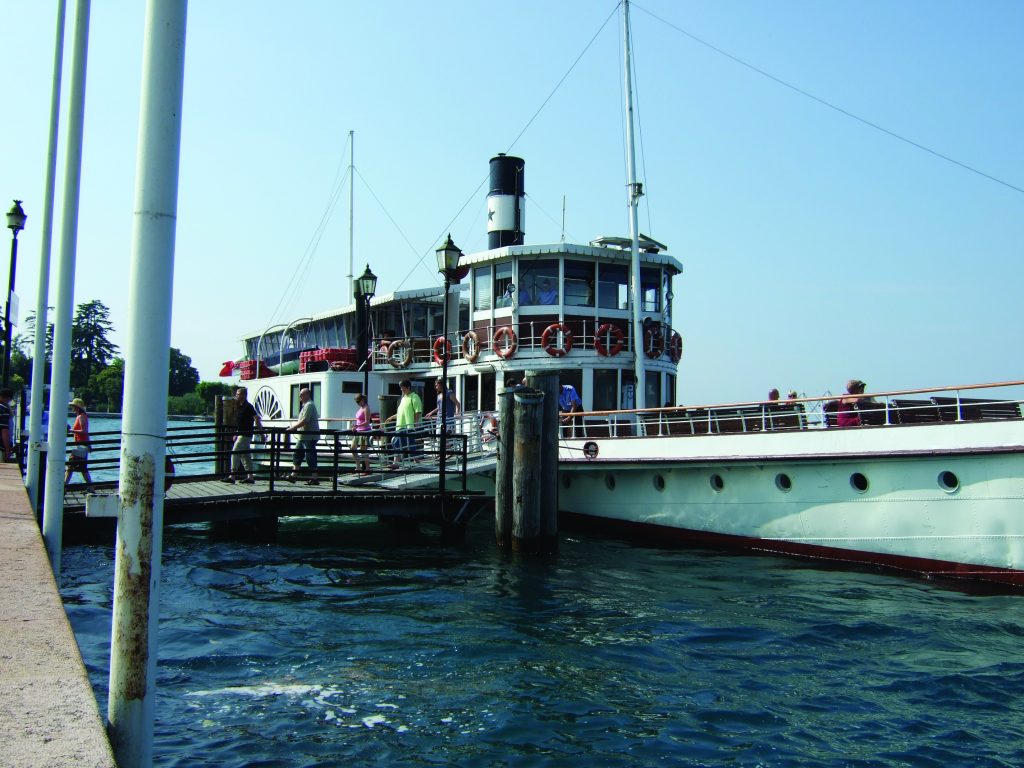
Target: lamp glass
(448, 257)
(16, 217)
(366, 284)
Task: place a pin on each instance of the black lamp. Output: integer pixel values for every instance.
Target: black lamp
(15, 222)
(448, 256)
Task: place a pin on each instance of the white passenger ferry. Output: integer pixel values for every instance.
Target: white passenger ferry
(931, 482)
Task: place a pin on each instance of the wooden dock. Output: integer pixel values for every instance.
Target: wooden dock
(409, 493)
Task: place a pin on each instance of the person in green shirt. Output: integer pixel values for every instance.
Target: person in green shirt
(406, 418)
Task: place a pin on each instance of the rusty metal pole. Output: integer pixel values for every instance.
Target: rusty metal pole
(133, 645)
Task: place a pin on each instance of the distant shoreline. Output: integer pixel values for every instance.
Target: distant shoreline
(108, 415)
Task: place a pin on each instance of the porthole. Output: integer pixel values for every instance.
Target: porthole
(783, 482)
(566, 481)
(659, 483)
(609, 481)
(717, 483)
(949, 482)
(858, 482)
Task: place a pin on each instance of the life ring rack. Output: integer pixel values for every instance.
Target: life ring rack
(675, 347)
(400, 353)
(606, 331)
(505, 342)
(549, 338)
(442, 343)
(470, 346)
(654, 342)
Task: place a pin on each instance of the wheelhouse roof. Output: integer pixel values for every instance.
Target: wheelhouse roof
(615, 255)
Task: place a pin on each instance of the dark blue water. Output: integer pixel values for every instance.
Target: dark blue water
(342, 645)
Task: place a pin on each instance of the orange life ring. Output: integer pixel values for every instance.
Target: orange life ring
(442, 343)
(602, 334)
(470, 347)
(675, 347)
(395, 357)
(547, 340)
(654, 342)
(507, 350)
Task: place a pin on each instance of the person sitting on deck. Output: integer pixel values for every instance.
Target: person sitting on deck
(846, 414)
(78, 460)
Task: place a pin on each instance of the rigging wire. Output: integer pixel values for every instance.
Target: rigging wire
(515, 141)
(829, 104)
(290, 293)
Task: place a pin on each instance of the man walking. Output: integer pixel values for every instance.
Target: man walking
(308, 428)
(241, 451)
(408, 415)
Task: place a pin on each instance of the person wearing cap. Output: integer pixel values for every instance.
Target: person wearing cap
(78, 459)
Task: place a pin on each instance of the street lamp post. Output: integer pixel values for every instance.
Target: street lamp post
(15, 222)
(364, 289)
(448, 256)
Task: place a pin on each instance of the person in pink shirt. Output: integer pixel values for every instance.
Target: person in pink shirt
(361, 442)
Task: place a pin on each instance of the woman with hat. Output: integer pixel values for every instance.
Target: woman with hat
(78, 461)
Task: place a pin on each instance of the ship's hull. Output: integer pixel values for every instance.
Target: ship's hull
(939, 500)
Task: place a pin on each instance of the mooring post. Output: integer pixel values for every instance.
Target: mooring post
(503, 475)
(133, 642)
(226, 433)
(526, 485)
(549, 385)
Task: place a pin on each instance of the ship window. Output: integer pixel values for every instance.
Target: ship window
(670, 391)
(482, 288)
(659, 483)
(612, 281)
(609, 481)
(717, 483)
(606, 387)
(538, 282)
(858, 482)
(579, 283)
(650, 289)
(503, 285)
(487, 394)
(652, 392)
(783, 482)
(948, 481)
(314, 387)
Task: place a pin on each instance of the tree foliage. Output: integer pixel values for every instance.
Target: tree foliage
(91, 349)
(183, 377)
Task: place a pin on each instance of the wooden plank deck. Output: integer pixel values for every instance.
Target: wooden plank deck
(408, 492)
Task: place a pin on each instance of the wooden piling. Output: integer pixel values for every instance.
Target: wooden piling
(503, 475)
(549, 385)
(527, 534)
(225, 417)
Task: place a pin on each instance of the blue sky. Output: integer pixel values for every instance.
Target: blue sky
(816, 248)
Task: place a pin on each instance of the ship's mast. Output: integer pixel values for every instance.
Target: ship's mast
(635, 191)
(351, 205)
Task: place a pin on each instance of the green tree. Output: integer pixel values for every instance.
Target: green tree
(22, 348)
(183, 377)
(106, 387)
(209, 391)
(91, 349)
(189, 404)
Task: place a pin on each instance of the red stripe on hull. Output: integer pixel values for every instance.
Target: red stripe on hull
(916, 566)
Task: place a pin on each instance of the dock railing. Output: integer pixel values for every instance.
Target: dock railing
(204, 453)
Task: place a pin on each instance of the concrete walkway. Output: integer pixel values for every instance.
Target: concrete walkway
(48, 713)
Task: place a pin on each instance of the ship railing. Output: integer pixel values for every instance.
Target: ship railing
(962, 403)
(527, 335)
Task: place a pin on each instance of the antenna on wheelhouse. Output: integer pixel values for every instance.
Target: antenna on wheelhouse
(351, 204)
(635, 192)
